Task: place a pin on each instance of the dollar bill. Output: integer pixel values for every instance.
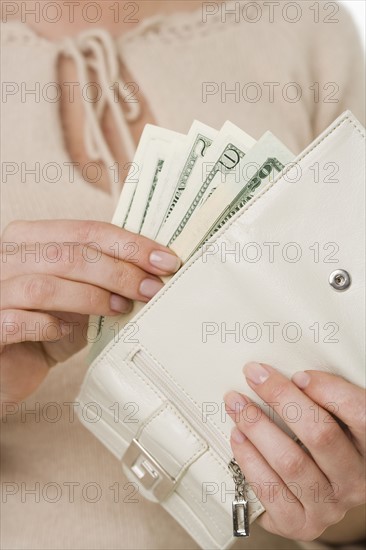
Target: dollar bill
(260, 166)
(150, 135)
(175, 176)
(153, 148)
(223, 157)
(156, 155)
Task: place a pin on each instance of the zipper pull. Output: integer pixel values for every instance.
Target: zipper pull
(240, 505)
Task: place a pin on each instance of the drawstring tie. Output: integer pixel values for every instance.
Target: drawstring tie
(95, 50)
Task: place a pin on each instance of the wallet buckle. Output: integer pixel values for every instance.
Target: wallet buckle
(149, 473)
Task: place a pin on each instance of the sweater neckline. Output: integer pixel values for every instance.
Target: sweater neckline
(159, 28)
(164, 27)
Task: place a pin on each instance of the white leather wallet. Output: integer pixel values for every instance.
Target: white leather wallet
(282, 283)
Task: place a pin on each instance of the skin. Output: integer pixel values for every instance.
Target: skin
(72, 113)
(48, 294)
(334, 446)
(42, 296)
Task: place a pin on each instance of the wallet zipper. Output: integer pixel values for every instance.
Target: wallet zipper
(239, 506)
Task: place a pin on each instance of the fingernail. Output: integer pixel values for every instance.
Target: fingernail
(150, 287)
(234, 401)
(165, 261)
(119, 304)
(237, 436)
(301, 379)
(256, 373)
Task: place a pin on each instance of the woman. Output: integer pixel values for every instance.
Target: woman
(289, 69)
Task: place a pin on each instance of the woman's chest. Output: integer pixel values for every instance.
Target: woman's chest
(105, 106)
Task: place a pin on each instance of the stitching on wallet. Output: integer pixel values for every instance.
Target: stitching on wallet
(135, 370)
(142, 347)
(165, 405)
(219, 236)
(144, 424)
(136, 373)
(129, 362)
(251, 203)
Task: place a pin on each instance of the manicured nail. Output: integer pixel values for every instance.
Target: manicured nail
(150, 287)
(256, 373)
(165, 261)
(237, 436)
(120, 304)
(301, 379)
(234, 401)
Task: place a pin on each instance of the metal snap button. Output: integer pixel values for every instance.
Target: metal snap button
(340, 279)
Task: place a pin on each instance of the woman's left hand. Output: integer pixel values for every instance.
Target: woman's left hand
(303, 490)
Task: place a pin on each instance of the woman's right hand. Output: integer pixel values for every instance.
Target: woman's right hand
(54, 274)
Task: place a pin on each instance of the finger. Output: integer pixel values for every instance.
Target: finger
(30, 326)
(50, 293)
(283, 510)
(331, 449)
(335, 394)
(108, 238)
(91, 267)
(292, 464)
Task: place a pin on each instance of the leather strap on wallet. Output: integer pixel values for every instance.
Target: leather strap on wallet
(281, 283)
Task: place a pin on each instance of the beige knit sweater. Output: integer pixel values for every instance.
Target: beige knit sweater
(61, 488)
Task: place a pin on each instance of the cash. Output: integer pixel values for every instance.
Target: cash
(144, 164)
(154, 150)
(223, 157)
(253, 171)
(182, 189)
(175, 176)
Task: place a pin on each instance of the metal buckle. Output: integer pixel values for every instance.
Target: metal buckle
(148, 471)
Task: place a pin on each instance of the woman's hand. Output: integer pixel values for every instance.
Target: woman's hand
(54, 274)
(303, 490)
